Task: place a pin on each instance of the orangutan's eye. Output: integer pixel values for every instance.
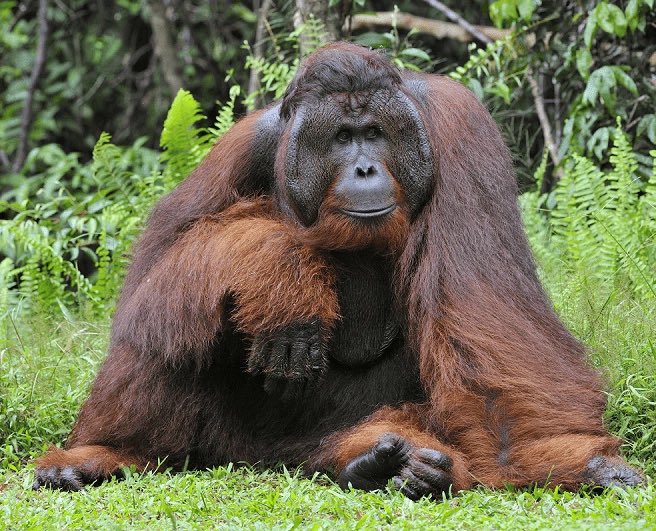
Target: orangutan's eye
(344, 136)
(373, 132)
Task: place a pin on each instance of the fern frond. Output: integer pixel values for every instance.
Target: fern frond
(603, 224)
(225, 118)
(183, 143)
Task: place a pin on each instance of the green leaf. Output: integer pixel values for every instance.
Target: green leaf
(611, 19)
(133, 7)
(525, 8)
(502, 90)
(476, 87)
(648, 124)
(98, 205)
(631, 12)
(625, 80)
(598, 142)
(243, 12)
(591, 91)
(416, 53)
(601, 83)
(66, 312)
(73, 77)
(590, 30)
(584, 62)
(371, 39)
(503, 10)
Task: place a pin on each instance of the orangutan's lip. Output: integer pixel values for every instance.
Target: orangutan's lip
(369, 213)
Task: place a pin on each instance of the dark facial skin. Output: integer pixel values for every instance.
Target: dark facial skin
(365, 188)
(363, 145)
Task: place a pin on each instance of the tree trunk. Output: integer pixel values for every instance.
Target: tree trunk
(27, 115)
(164, 46)
(258, 47)
(331, 18)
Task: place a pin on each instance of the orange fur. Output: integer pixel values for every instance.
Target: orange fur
(500, 369)
(335, 231)
(505, 389)
(96, 461)
(246, 252)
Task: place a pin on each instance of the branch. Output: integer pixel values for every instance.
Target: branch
(21, 12)
(544, 122)
(27, 114)
(454, 17)
(436, 28)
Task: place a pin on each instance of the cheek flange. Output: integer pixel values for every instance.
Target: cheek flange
(309, 165)
(410, 157)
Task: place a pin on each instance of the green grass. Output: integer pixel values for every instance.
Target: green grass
(245, 499)
(47, 364)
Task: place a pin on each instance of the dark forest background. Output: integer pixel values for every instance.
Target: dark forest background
(92, 66)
